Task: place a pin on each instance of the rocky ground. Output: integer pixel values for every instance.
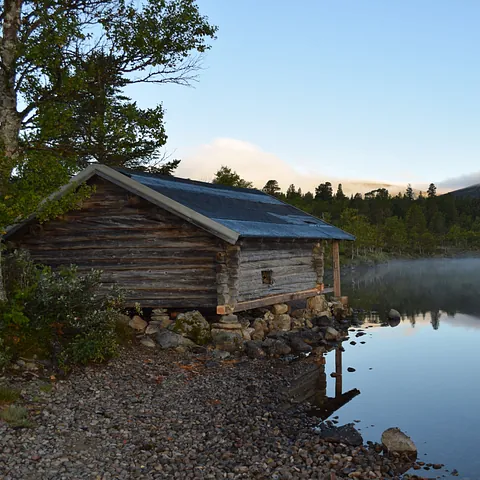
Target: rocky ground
(156, 414)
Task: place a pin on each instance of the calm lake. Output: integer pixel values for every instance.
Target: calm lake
(422, 375)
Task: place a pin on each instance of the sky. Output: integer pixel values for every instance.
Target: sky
(360, 92)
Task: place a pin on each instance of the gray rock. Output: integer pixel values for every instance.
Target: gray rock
(299, 346)
(193, 325)
(331, 334)
(148, 342)
(168, 339)
(254, 350)
(227, 326)
(138, 323)
(220, 354)
(346, 434)
(276, 347)
(227, 340)
(394, 440)
(152, 329)
(323, 320)
(165, 323)
(231, 318)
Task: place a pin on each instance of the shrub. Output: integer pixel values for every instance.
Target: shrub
(65, 313)
(5, 355)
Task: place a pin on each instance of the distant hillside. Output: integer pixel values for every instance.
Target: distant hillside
(473, 191)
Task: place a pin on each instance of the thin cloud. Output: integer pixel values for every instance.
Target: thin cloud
(258, 166)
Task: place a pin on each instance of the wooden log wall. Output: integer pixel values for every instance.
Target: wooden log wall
(292, 266)
(161, 260)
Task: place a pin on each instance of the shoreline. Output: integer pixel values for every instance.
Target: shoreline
(165, 414)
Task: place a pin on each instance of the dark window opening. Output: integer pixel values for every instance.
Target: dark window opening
(267, 277)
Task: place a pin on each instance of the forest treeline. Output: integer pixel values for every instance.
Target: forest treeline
(402, 224)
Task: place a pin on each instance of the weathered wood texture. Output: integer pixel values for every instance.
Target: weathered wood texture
(336, 268)
(292, 264)
(160, 259)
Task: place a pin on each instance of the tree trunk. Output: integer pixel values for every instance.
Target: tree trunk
(10, 122)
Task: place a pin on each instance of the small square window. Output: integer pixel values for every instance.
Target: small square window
(267, 277)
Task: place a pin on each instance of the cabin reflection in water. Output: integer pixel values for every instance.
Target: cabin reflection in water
(312, 387)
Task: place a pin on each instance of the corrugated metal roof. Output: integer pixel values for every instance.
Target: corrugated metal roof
(250, 213)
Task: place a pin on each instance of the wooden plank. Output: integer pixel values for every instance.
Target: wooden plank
(273, 299)
(336, 268)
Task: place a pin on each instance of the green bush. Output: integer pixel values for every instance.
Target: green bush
(64, 314)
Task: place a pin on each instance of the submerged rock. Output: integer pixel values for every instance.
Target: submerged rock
(394, 314)
(346, 434)
(394, 440)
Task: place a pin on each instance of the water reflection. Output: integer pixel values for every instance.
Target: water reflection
(440, 288)
(312, 387)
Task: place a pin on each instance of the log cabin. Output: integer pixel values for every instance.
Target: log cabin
(176, 243)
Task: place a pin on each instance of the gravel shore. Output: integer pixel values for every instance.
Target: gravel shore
(162, 414)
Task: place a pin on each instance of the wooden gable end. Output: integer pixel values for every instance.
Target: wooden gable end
(159, 258)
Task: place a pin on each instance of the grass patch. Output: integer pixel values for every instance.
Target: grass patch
(15, 416)
(47, 388)
(8, 395)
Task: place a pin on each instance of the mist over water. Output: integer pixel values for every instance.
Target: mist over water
(416, 287)
(421, 374)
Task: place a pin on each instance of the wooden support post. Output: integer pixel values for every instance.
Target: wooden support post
(336, 268)
(338, 371)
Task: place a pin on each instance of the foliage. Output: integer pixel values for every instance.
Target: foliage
(8, 395)
(63, 314)
(271, 187)
(16, 416)
(5, 355)
(70, 63)
(392, 225)
(226, 176)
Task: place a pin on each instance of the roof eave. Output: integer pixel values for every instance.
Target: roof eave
(142, 191)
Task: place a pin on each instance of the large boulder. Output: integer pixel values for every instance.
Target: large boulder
(281, 323)
(394, 440)
(317, 304)
(193, 325)
(169, 339)
(138, 323)
(228, 340)
(394, 314)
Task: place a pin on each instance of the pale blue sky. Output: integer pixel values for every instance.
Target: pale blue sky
(356, 89)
